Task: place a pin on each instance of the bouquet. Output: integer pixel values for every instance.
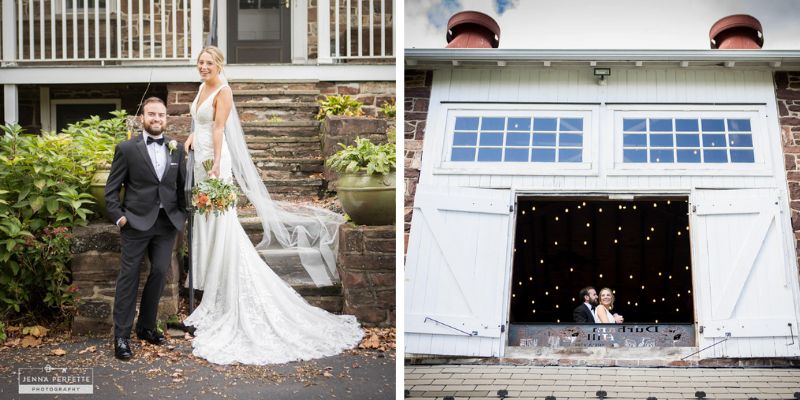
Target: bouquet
(214, 194)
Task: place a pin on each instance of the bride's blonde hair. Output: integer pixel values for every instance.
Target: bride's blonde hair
(216, 55)
(610, 306)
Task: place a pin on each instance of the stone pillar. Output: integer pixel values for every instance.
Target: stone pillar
(95, 265)
(787, 94)
(417, 97)
(366, 265)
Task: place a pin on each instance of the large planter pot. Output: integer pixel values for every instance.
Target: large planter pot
(368, 199)
(98, 190)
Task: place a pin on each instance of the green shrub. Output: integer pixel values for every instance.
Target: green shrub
(44, 182)
(364, 156)
(389, 109)
(339, 105)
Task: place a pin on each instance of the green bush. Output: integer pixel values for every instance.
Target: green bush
(389, 109)
(339, 106)
(44, 182)
(364, 156)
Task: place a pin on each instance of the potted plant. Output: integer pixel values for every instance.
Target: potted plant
(367, 181)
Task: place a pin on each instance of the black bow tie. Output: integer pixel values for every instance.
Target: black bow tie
(151, 140)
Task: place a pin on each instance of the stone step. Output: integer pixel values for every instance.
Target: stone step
(293, 165)
(284, 124)
(275, 92)
(281, 131)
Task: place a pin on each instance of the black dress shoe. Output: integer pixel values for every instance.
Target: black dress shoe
(122, 348)
(151, 336)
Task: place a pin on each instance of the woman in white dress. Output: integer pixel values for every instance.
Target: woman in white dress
(603, 313)
(248, 314)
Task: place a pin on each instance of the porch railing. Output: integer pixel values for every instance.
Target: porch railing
(101, 30)
(360, 29)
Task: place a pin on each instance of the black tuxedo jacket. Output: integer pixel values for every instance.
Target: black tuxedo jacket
(583, 314)
(133, 169)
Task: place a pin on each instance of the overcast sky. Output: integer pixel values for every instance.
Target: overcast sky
(604, 24)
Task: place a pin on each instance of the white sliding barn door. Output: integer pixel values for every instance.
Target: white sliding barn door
(745, 278)
(456, 271)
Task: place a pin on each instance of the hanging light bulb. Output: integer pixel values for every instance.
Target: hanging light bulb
(629, 302)
(555, 243)
(583, 204)
(558, 321)
(546, 293)
(677, 310)
(679, 295)
(585, 243)
(668, 202)
(520, 283)
(620, 206)
(631, 276)
(523, 212)
(670, 277)
(652, 229)
(556, 305)
(689, 291)
(513, 295)
(619, 228)
(533, 301)
(634, 206)
(659, 274)
(636, 304)
(656, 321)
(573, 299)
(530, 278)
(679, 233)
(570, 270)
(663, 299)
(566, 210)
(600, 209)
(556, 287)
(655, 205)
(687, 267)
(533, 208)
(601, 275)
(615, 241)
(534, 311)
(556, 218)
(642, 287)
(541, 261)
(648, 238)
(588, 224)
(524, 240)
(654, 300)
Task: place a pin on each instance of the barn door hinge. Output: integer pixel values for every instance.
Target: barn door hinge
(694, 208)
(503, 328)
(511, 208)
(473, 333)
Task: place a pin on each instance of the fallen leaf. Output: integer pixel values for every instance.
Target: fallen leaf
(58, 352)
(90, 349)
(30, 341)
(327, 374)
(37, 331)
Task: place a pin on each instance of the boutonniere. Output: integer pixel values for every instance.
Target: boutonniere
(173, 144)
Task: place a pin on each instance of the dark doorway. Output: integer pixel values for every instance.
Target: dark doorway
(638, 248)
(259, 31)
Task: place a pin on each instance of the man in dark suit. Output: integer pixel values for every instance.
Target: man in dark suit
(583, 313)
(151, 169)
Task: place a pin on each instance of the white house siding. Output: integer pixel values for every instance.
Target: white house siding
(686, 89)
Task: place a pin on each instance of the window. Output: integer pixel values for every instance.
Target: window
(517, 139)
(679, 140)
(65, 112)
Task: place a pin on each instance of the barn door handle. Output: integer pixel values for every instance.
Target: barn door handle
(791, 334)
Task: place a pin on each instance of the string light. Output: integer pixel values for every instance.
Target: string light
(663, 299)
(570, 270)
(533, 208)
(654, 300)
(642, 287)
(677, 310)
(585, 243)
(679, 295)
(556, 287)
(668, 202)
(533, 301)
(556, 218)
(619, 228)
(601, 275)
(546, 293)
(523, 212)
(588, 224)
(634, 206)
(687, 267)
(530, 278)
(659, 274)
(556, 305)
(524, 240)
(689, 291)
(583, 204)
(631, 276)
(615, 241)
(656, 321)
(541, 261)
(555, 243)
(558, 321)
(534, 311)
(620, 206)
(679, 233)
(670, 277)
(648, 238)
(566, 210)
(652, 229)
(636, 304)
(655, 205)
(600, 209)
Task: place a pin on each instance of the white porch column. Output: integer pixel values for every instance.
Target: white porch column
(197, 28)
(324, 32)
(300, 31)
(9, 32)
(44, 108)
(10, 104)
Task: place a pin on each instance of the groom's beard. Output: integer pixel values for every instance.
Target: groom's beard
(154, 131)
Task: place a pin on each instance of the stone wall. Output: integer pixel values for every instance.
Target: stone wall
(417, 96)
(95, 265)
(366, 265)
(787, 93)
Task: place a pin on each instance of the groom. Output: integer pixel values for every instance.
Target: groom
(151, 169)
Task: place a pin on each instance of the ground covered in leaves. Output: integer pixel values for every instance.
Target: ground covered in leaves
(172, 372)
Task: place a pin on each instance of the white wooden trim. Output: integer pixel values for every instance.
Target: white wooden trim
(44, 106)
(9, 34)
(222, 26)
(10, 104)
(188, 73)
(299, 31)
(196, 28)
(54, 106)
(324, 32)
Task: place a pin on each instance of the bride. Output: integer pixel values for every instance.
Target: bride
(248, 314)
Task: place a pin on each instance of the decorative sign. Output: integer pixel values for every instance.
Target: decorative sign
(602, 335)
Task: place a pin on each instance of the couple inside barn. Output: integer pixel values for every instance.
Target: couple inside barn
(596, 309)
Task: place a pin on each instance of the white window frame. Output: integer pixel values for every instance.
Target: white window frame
(588, 166)
(762, 165)
(54, 106)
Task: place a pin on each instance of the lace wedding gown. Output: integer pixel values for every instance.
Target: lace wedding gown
(248, 314)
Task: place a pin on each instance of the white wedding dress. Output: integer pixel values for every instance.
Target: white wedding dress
(248, 314)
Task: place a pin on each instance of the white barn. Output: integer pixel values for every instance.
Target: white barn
(507, 130)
